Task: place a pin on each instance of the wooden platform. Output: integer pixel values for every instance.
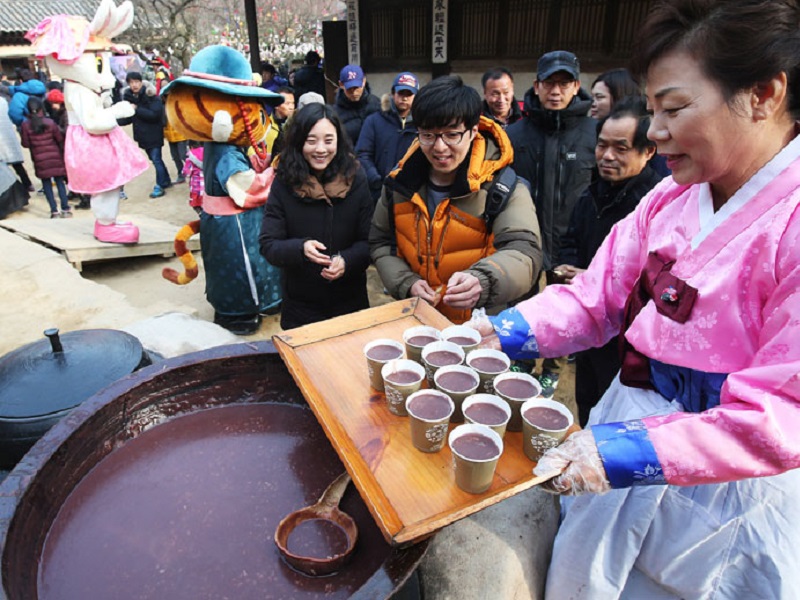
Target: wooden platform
(74, 238)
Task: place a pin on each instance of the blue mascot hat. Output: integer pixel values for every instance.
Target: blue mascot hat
(225, 70)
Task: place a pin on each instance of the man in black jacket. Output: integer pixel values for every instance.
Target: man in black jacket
(354, 102)
(623, 178)
(148, 126)
(309, 77)
(554, 150)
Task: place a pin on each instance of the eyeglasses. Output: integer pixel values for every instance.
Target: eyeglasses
(451, 138)
(549, 84)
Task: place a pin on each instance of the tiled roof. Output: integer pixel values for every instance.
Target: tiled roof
(22, 15)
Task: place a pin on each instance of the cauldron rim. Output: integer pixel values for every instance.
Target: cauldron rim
(399, 565)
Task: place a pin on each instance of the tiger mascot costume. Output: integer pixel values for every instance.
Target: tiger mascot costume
(217, 101)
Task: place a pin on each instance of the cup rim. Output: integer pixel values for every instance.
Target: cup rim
(419, 329)
(492, 399)
(443, 345)
(439, 393)
(407, 364)
(461, 430)
(546, 402)
(489, 352)
(370, 345)
(458, 369)
(455, 329)
(516, 375)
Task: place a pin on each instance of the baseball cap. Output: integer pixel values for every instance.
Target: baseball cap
(406, 81)
(558, 60)
(352, 76)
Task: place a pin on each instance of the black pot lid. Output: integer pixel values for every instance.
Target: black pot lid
(60, 372)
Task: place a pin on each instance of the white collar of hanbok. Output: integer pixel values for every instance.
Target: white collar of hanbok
(710, 220)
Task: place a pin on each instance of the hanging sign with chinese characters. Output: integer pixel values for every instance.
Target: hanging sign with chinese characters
(353, 38)
(439, 31)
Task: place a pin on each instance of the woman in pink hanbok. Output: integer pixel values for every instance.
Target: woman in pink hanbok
(687, 476)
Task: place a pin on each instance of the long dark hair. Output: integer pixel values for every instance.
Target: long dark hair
(293, 169)
(738, 44)
(620, 83)
(36, 114)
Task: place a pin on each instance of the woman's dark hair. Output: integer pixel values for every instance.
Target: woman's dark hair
(36, 114)
(738, 43)
(446, 101)
(292, 167)
(620, 83)
(636, 107)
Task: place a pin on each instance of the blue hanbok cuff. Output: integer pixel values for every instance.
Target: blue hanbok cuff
(628, 455)
(516, 336)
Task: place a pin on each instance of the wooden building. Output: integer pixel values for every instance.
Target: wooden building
(432, 37)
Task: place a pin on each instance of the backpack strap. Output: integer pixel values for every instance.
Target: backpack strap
(503, 184)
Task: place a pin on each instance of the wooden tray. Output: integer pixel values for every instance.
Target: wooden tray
(409, 493)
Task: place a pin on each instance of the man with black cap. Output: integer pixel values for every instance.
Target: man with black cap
(387, 135)
(309, 77)
(354, 102)
(554, 150)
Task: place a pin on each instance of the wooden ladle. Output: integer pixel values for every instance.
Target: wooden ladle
(326, 509)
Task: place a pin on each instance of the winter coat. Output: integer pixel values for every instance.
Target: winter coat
(353, 114)
(47, 148)
(596, 212)
(408, 244)
(18, 106)
(309, 78)
(384, 140)
(341, 221)
(516, 113)
(149, 119)
(10, 149)
(554, 151)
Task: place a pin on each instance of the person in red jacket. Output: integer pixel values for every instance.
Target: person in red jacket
(46, 143)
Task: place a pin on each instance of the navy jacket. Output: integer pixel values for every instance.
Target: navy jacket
(149, 120)
(353, 114)
(383, 141)
(554, 151)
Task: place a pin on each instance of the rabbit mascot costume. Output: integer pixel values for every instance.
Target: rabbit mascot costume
(217, 101)
(100, 157)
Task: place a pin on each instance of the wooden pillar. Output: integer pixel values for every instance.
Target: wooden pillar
(252, 35)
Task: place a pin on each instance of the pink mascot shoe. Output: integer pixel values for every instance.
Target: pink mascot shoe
(121, 232)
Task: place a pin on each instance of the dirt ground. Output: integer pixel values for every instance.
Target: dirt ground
(129, 289)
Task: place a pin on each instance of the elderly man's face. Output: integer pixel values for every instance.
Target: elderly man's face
(617, 159)
(499, 93)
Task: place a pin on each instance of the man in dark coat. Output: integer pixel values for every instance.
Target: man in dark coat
(148, 126)
(499, 103)
(354, 102)
(387, 135)
(554, 150)
(309, 77)
(623, 177)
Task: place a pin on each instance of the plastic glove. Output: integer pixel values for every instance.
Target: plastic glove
(575, 466)
(481, 323)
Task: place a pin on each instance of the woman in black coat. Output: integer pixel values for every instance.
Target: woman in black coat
(317, 221)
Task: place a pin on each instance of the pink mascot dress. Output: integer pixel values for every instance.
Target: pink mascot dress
(99, 156)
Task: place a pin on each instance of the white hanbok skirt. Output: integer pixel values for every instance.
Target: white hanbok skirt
(731, 540)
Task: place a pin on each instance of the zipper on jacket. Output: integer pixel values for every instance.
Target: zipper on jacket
(562, 153)
(437, 255)
(418, 218)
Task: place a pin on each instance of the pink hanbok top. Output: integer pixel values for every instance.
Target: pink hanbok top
(744, 261)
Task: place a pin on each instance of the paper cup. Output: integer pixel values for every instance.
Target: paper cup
(378, 353)
(516, 389)
(489, 410)
(424, 335)
(543, 429)
(429, 415)
(476, 450)
(401, 378)
(434, 348)
(487, 363)
(458, 382)
(466, 337)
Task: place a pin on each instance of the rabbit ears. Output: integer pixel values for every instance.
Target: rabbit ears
(110, 20)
